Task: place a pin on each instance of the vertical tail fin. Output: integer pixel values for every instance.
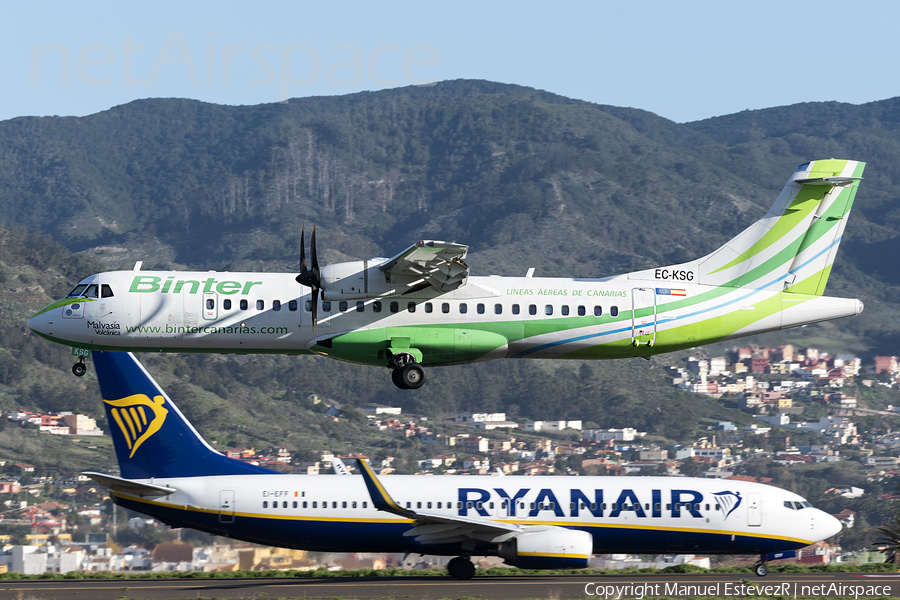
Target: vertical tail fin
(794, 245)
(151, 436)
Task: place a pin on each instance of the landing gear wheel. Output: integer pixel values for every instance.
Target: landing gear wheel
(398, 381)
(761, 570)
(412, 375)
(461, 568)
(79, 369)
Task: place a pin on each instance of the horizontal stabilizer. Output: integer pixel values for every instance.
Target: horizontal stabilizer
(839, 181)
(118, 484)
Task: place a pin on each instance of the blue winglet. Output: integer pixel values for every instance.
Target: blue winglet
(380, 497)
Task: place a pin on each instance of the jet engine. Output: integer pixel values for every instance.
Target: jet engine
(555, 548)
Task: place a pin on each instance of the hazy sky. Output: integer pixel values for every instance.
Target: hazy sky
(682, 60)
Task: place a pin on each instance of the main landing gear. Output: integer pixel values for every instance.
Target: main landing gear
(761, 569)
(461, 568)
(79, 368)
(406, 373)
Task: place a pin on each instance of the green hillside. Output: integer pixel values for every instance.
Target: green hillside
(526, 178)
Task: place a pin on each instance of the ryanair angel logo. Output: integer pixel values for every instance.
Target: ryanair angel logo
(138, 418)
(729, 501)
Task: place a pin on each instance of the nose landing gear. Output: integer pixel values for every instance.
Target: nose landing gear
(406, 373)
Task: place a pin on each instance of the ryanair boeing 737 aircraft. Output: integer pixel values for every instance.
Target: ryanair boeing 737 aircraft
(421, 307)
(169, 472)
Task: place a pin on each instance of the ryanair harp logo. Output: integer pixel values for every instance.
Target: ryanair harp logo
(138, 418)
(729, 501)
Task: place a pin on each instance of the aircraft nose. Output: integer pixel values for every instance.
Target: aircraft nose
(828, 525)
(38, 322)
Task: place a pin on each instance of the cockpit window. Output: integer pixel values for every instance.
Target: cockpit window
(799, 505)
(106, 291)
(91, 292)
(789, 504)
(76, 291)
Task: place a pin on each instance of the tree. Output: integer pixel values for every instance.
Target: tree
(890, 536)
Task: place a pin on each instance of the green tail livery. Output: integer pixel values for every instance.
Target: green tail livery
(422, 308)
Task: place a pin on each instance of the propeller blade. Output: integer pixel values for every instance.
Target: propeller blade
(315, 307)
(311, 278)
(312, 249)
(303, 268)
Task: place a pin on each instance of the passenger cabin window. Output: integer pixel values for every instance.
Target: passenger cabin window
(581, 311)
(226, 304)
(429, 307)
(463, 308)
(532, 309)
(210, 304)
(360, 306)
(326, 306)
(515, 309)
(76, 291)
(342, 306)
(244, 305)
(445, 307)
(564, 310)
(548, 310)
(598, 311)
(106, 291)
(91, 291)
(376, 306)
(292, 305)
(276, 305)
(480, 309)
(395, 307)
(411, 307)
(498, 309)
(614, 311)
(260, 305)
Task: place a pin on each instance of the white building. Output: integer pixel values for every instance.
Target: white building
(626, 434)
(478, 417)
(371, 408)
(552, 425)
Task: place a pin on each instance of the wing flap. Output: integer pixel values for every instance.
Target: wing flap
(435, 263)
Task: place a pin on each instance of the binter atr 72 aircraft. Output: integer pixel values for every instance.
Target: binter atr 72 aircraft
(169, 472)
(421, 308)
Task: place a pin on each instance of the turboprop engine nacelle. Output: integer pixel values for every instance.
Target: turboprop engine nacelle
(356, 280)
(555, 548)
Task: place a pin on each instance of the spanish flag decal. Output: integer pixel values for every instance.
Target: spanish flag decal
(138, 418)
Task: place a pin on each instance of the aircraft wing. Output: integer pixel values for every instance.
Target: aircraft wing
(431, 263)
(435, 528)
(118, 484)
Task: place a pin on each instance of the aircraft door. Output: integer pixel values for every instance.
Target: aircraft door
(226, 506)
(643, 317)
(754, 510)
